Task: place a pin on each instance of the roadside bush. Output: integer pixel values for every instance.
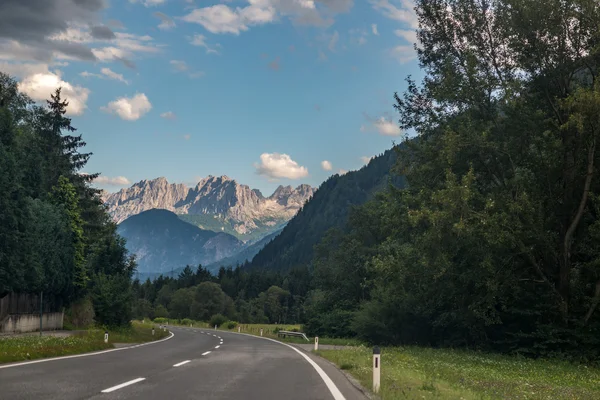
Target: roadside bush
(186, 321)
(80, 314)
(218, 320)
(160, 320)
(231, 324)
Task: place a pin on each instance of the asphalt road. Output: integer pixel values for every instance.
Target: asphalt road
(193, 364)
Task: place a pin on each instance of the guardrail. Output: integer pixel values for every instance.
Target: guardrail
(296, 334)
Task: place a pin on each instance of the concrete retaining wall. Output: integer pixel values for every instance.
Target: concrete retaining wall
(21, 323)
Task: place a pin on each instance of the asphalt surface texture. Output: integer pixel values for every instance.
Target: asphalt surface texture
(193, 364)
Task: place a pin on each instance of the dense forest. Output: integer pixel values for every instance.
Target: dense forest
(55, 235)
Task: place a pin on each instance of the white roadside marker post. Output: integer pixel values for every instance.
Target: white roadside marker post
(316, 343)
(376, 369)
(215, 327)
(152, 331)
(239, 329)
(105, 337)
(260, 331)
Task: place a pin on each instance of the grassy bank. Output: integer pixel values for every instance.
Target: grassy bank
(421, 373)
(31, 347)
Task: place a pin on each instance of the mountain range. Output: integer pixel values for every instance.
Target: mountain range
(219, 204)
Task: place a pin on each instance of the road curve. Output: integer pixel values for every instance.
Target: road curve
(194, 364)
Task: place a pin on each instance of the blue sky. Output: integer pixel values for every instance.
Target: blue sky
(263, 91)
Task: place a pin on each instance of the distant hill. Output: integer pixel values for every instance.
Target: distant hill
(328, 208)
(162, 241)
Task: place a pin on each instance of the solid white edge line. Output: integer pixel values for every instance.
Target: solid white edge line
(205, 353)
(335, 392)
(122, 385)
(181, 363)
(84, 354)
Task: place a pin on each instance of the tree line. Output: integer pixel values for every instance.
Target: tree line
(55, 235)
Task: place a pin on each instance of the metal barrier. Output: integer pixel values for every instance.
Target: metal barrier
(295, 334)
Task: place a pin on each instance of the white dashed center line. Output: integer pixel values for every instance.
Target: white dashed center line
(181, 363)
(216, 347)
(205, 353)
(122, 385)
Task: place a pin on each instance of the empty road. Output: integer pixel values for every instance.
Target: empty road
(193, 364)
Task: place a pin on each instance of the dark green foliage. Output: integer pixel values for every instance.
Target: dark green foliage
(217, 320)
(55, 235)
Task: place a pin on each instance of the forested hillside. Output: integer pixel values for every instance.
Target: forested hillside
(328, 208)
(55, 236)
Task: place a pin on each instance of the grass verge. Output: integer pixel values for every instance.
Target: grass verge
(31, 347)
(424, 373)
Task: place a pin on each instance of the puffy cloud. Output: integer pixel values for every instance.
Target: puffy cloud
(275, 165)
(410, 35)
(40, 85)
(382, 125)
(387, 127)
(374, 29)
(116, 181)
(166, 22)
(221, 18)
(342, 172)
(200, 40)
(168, 115)
(326, 165)
(129, 108)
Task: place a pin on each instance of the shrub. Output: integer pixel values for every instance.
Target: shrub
(160, 320)
(218, 320)
(186, 321)
(231, 324)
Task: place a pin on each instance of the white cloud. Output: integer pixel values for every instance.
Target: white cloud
(168, 115)
(404, 13)
(387, 127)
(403, 53)
(342, 172)
(106, 73)
(410, 35)
(275, 165)
(382, 125)
(129, 109)
(200, 40)
(221, 18)
(366, 159)
(149, 3)
(116, 181)
(40, 85)
(374, 29)
(326, 165)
